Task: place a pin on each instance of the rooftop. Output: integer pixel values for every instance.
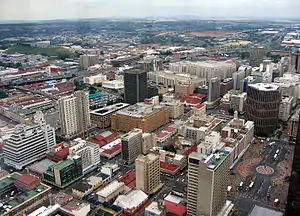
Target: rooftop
(264, 86)
(41, 166)
(132, 200)
(140, 110)
(110, 188)
(75, 205)
(215, 159)
(170, 167)
(262, 211)
(109, 109)
(153, 208)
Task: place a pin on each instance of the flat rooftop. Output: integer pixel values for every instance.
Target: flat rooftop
(216, 158)
(109, 109)
(264, 86)
(110, 188)
(140, 110)
(262, 211)
(41, 166)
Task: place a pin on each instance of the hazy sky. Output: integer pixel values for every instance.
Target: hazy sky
(66, 9)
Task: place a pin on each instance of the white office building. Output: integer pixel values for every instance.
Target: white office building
(89, 153)
(28, 143)
(285, 108)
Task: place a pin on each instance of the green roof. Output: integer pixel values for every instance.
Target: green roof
(92, 96)
(64, 164)
(5, 182)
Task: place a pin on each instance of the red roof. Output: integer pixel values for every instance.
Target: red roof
(128, 177)
(175, 208)
(99, 137)
(200, 96)
(190, 150)
(96, 141)
(63, 151)
(166, 166)
(27, 179)
(162, 134)
(113, 149)
(131, 184)
(199, 106)
(170, 129)
(112, 137)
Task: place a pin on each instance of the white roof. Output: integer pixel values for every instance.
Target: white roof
(153, 208)
(173, 199)
(110, 188)
(111, 144)
(264, 86)
(132, 200)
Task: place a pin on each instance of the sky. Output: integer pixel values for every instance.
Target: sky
(79, 9)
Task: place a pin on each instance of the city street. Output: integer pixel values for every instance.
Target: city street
(262, 174)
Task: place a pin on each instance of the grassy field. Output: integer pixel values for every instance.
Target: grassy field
(45, 51)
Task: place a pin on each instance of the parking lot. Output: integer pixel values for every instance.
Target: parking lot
(262, 176)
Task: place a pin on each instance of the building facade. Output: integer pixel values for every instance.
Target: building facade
(132, 145)
(28, 143)
(213, 96)
(135, 86)
(88, 60)
(147, 173)
(262, 107)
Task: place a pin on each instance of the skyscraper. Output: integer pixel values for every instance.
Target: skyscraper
(135, 86)
(213, 96)
(295, 60)
(28, 143)
(257, 54)
(293, 199)
(147, 173)
(207, 183)
(132, 145)
(86, 61)
(262, 107)
(83, 109)
(74, 114)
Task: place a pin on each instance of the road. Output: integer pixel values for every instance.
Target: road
(267, 186)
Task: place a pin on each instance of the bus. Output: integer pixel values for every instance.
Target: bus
(250, 185)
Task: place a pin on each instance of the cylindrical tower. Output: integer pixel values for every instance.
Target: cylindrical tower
(262, 107)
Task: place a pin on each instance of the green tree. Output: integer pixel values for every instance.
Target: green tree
(79, 85)
(3, 95)
(160, 96)
(92, 90)
(116, 64)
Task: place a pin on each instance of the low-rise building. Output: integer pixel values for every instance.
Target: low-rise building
(110, 191)
(91, 80)
(132, 202)
(113, 84)
(37, 169)
(102, 117)
(64, 172)
(153, 210)
(77, 208)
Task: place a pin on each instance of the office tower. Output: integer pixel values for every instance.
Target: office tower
(89, 153)
(86, 61)
(207, 183)
(28, 143)
(285, 108)
(237, 77)
(83, 109)
(74, 114)
(293, 198)
(68, 117)
(147, 173)
(257, 54)
(135, 86)
(295, 59)
(262, 107)
(226, 86)
(132, 145)
(213, 97)
(245, 82)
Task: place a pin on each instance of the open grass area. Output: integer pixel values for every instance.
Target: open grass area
(45, 51)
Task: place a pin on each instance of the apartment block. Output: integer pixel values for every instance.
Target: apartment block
(147, 173)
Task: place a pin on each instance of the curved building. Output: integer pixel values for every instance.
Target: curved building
(262, 107)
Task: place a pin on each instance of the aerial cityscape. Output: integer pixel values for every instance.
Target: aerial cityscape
(149, 116)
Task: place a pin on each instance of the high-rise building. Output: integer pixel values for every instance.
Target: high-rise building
(74, 114)
(86, 61)
(83, 109)
(293, 198)
(285, 108)
(257, 54)
(207, 183)
(28, 143)
(149, 141)
(132, 145)
(262, 107)
(213, 96)
(226, 85)
(135, 86)
(147, 173)
(89, 153)
(295, 60)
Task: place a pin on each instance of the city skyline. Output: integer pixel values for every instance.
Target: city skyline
(32, 10)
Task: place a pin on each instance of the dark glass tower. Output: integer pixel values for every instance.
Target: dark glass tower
(135, 86)
(293, 199)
